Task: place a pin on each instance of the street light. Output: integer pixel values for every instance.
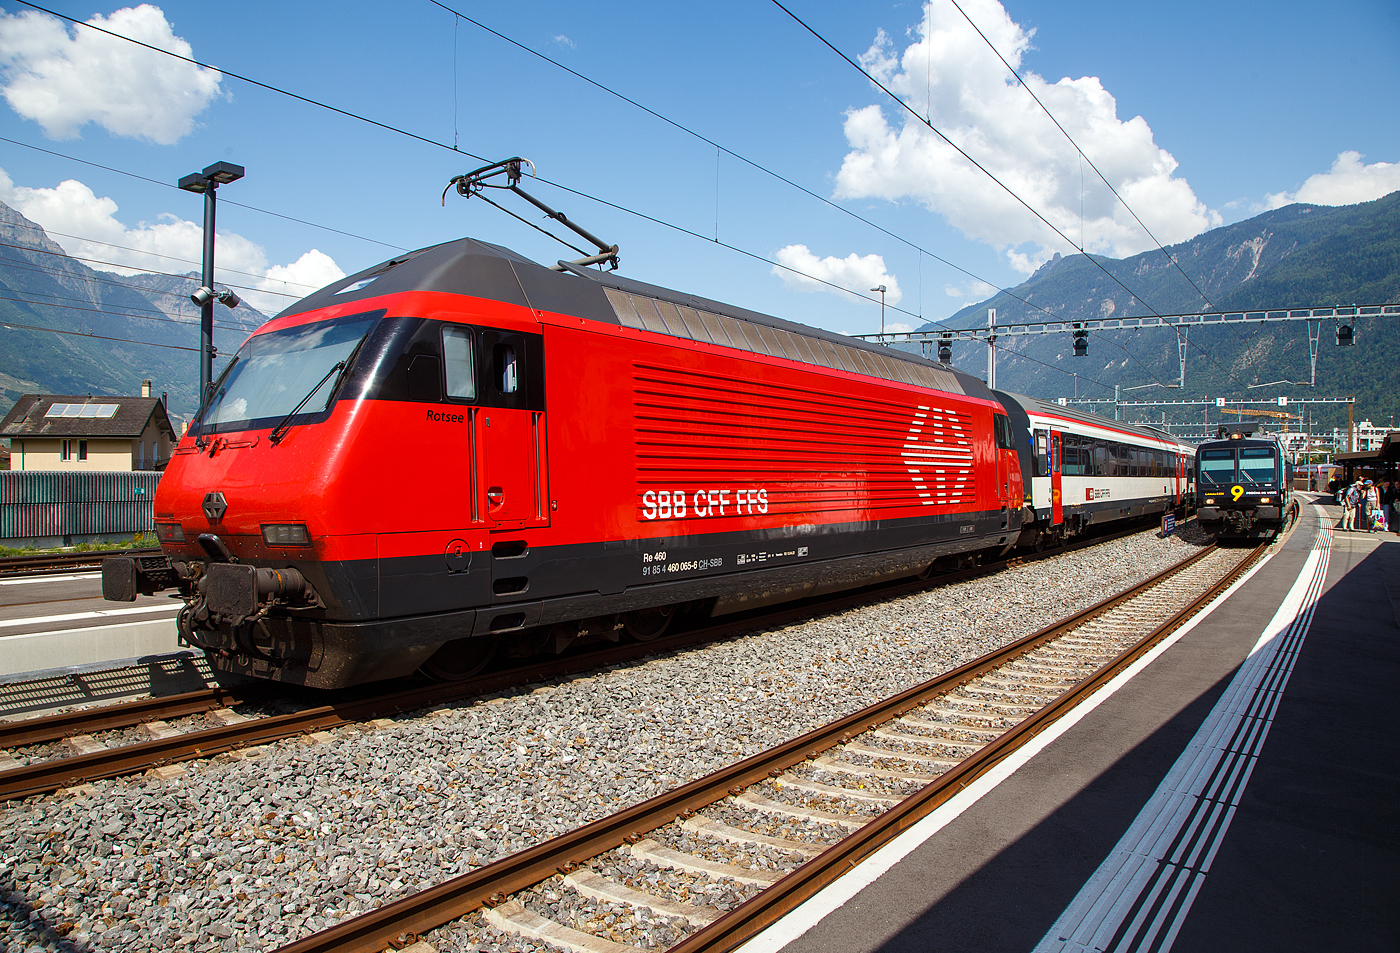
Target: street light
(208, 182)
(881, 289)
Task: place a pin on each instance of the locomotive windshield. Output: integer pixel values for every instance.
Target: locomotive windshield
(272, 373)
(1227, 466)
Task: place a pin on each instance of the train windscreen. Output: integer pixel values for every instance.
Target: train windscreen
(1217, 467)
(1227, 466)
(1256, 465)
(272, 373)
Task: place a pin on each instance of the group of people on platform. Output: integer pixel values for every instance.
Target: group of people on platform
(1368, 506)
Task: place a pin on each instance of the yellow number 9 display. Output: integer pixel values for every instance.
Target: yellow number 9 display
(1237, 491)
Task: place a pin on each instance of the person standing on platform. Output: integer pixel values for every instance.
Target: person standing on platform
(1371, 505)
(1350, 499)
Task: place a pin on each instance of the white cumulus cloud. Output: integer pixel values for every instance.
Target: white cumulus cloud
(948, 75)
(172, 245)
(854, 272)
(63, 78)
(1348, 181)
(315, 269)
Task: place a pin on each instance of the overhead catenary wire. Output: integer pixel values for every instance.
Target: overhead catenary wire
(224, 201)
(150, 314)
(453, 148)
(22, 264)
(987, 172)
(4, 324)
(429, 141)
(720, 149)
(747, 161)
(1083, 158)
(148, 271)
(141, 251)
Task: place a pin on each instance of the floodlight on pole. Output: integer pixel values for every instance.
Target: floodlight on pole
(207, 183)
(881, 289)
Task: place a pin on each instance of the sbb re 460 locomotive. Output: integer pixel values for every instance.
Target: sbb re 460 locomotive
(460, 446)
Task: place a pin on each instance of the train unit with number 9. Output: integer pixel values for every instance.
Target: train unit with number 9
(1246, 486)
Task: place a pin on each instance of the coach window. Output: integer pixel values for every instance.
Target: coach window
(459, 355)
(1074, 464)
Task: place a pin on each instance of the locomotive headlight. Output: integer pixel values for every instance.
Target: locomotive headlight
(170, 533)
(286, 534)
(1266, 499)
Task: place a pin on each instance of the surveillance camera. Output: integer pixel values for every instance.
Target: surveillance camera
(203, 296)
(229, 299)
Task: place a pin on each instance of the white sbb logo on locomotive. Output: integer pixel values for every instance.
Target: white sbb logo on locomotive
(678, 504)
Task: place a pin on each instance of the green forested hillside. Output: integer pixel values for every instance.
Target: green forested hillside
(1302, 256)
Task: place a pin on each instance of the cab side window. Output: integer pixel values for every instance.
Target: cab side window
(510, 367)
(459, 359)
(505, 369)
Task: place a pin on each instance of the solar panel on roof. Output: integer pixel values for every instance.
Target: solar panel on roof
(97, 411)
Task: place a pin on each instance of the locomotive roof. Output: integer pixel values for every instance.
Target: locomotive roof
(1036, 405)
(470, 267)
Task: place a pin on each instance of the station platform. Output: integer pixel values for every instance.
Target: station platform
(1235, 790)
(60, 621)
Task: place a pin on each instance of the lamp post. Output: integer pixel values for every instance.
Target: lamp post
(208, 182)
(881, 289)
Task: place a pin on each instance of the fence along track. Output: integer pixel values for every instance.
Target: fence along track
(1030, 675)
(37, 503)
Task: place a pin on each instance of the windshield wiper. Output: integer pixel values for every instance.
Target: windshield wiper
(282, 427)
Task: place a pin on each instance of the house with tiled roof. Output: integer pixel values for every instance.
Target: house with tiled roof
(87, 433)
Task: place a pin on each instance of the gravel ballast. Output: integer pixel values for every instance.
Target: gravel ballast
(254, 852)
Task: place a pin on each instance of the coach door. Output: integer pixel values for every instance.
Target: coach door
(1057, 505)
(511, 430)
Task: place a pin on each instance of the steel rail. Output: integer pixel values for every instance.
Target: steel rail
(72, 770)
(430, 908)
(749, 918)
(55, 562)
(34, 731)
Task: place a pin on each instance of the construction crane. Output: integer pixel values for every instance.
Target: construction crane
(1266, 413)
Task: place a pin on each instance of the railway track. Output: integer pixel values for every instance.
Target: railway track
(775, 828)
(63, 562)
(133, 736)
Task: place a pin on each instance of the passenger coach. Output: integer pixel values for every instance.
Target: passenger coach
(1081, 469)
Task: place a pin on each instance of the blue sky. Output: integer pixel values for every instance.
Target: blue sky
(1201, 113)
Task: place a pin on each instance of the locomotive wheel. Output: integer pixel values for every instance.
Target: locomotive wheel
(460, 659)
(647, 624)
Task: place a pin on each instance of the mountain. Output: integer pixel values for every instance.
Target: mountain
(109, 331)
(1300, 256)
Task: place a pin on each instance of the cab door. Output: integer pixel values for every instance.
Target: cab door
(1057, 506)
(510, 429)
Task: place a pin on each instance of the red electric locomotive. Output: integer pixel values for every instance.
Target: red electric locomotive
(460, 445)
